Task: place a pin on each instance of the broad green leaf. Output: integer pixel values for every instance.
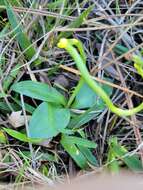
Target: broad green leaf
(20, 136)
(39, 91)
(77, 22)
(86, 98)
(21, 37)
(77, 148)
(48, 121)
(74, 152)
(81, 141)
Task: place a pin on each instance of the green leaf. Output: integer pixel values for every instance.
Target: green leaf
(20, 136)
(86, 98)
(132, 161)
(48, 121)
(77, 22)
(79, 120)
(39, 91)
(3, 138)
(21, 37)
(80, 153)
(88, 154)
(74, 152)
(81, 141)
(41, 156)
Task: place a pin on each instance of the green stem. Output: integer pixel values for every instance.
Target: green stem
(80, 48)
(77, 89)
(92, 84)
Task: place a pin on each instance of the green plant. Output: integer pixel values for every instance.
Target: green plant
(79, 58)
(118, 152)
(51, 118)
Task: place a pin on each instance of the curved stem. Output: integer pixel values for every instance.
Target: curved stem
(80, 48)
(64, 43)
